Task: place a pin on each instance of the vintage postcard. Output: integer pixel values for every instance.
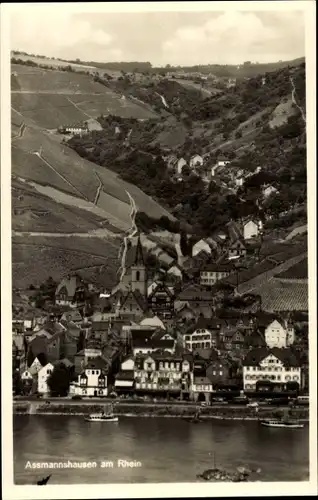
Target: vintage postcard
(158, 235)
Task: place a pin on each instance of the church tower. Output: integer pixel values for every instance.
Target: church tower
(139, 271)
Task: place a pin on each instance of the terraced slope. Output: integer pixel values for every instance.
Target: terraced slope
(57, 192)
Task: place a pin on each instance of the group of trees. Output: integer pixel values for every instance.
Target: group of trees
(279, 152)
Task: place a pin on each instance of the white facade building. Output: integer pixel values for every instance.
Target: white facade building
(250, 230)
(201, 246)
(279, 335)
(91, 382)
(43, 376)
(272, 369)
(200, 338)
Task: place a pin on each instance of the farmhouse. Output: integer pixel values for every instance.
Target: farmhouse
(73, 129)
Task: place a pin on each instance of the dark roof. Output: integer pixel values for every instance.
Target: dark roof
(70, 283)
(286, 355)
(213, 266)
(195, 293)
(201, 380)
(99, 362)
(233, 231)
(206, 323)
(153, 343)
(125, 375)
(203, 353)
(298, 271)
(280, 295)
(141, 334)
(100, 326)
(137, 296)
(73, 315)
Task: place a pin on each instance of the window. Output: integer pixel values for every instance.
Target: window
(221, 373)
(160, 365)
(137, 275)
(93, 373)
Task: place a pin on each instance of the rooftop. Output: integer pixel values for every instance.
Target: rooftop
(286, 355)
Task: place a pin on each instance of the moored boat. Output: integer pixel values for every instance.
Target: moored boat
(281, 423)
(101, 417)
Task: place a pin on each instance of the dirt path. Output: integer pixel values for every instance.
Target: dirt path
(98, 189)
(77, 107)
(20, 133)
(294, 100)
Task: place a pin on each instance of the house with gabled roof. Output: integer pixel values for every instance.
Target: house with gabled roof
(161, 301)
(92, 381)
(274, 366)
(71, 292)
(131, 304)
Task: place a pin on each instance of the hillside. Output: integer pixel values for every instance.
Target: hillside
(243, 123)
(79, 186)
(54, 191)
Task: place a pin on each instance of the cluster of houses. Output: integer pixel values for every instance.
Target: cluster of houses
(153, 337)
(221, 171)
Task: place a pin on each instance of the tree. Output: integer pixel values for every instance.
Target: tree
(59, 381)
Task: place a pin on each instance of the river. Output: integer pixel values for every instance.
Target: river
(169, 450)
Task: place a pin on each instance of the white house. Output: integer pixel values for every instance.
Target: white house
(220, 163)
(250, 229)
(43, 375)
(180, 164)
(195, 161)
(278, 367)
(268, 190)
(36, 366)
(200, 338)
(201, 246)
(92, 381)
(175, 271)
(124, 380)
(278, 334)
(201, 387)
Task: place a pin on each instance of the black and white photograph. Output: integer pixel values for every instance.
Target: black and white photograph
(163, 326)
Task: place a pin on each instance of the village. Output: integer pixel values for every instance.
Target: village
(189, 332)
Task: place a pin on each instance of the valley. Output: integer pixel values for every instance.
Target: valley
(76, 189)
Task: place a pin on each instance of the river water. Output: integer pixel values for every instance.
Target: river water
(169, 450)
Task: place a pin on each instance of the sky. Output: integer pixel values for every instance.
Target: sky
(175, 38)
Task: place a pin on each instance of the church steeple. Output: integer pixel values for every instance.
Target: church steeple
(139, 271)
(139, 256)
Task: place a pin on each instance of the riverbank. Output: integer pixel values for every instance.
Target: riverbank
(153, 410)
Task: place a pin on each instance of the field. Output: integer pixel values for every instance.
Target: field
(47, 97)
(36, 258)
(54, 62)
(33, 212)
(78, 172)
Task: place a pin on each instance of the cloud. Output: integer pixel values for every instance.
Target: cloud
(234, 37)
(57, 33)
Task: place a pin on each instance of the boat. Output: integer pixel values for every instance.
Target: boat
(282, 423)
(102, 417)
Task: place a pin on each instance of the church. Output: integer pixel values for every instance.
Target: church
(137, 293)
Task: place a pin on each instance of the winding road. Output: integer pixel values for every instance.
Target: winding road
(130, 234)
(294, 100)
